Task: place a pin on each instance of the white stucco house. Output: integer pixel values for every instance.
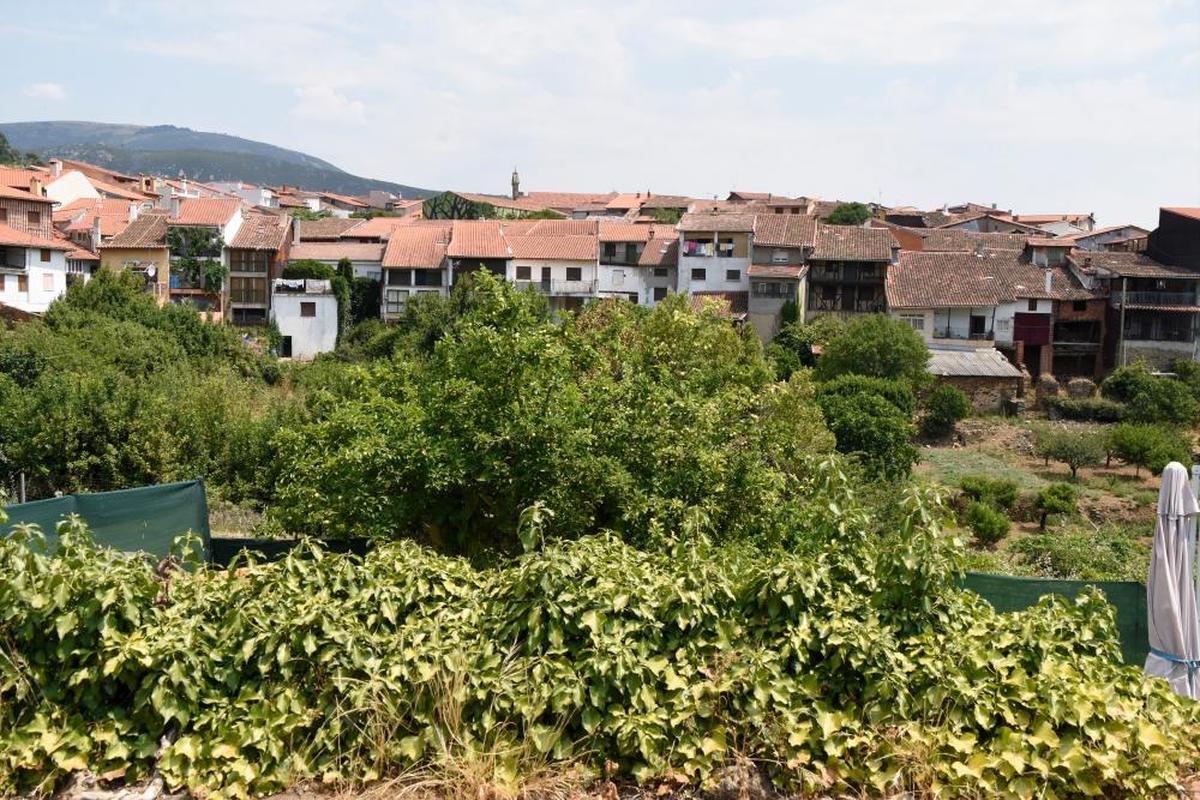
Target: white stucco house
(33, 270)
(306, 313)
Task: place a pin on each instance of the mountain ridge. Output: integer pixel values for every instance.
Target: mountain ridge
(201, 155)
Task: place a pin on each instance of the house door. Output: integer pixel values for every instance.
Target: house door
(285, 347)
(978, 326)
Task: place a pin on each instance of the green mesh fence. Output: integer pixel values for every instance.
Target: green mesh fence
(1007, 593)
(145, 519)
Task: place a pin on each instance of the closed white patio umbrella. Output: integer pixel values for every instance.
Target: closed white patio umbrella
(1171, 587)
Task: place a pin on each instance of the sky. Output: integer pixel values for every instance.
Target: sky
(1041, 106)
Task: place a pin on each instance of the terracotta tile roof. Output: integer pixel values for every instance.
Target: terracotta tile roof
(951, 239)
(13, 193)
(1050, 241)
(635, 232)
(849, 243)
(147, 231)
(1183, 211)
(792, 271)
(336, 251)
(418, 246)
(77, 253)
(501, 201)
(95, 171)
(81, 214)
(1141, 307)
(328, 228)
(670, 201)
(949, 280)
(726, 304)
(205, 211)
(376, 228)
(748, 196)
(15, 238)
(477, 239)
(566, 201)
(1127, 265)
(1101, 231)
(624, 202)
(717, 222)
(785, 230)
(946, 280)
(550, 227)
(660, 253)
(1042, 219)
(823, 208)
(20, 177)
(262, 232)
(113, 190)
(557, 248)
(999, 217)
(344, 198)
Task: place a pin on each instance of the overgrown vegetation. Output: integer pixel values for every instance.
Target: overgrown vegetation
(851, 664)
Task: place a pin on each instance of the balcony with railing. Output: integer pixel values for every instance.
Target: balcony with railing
(1141, 298)
(559, 287)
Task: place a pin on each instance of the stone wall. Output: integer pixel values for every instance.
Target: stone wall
(986, 394)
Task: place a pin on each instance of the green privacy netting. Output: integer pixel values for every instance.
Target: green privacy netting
(145, 519)
(1007, 593)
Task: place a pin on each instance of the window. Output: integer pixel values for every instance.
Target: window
(779, 257)
(249, 260)
(1033, 305)
(523, 273)
(660, 292)
(45, 256)
(699, 248)
(574, 273)
(545, 274)
(725, 248)
(308, 308)
(1079, 305)
(660, 272)
(427, 277)
(22, 283)
(248, 290)
(610, 249)
(34, 217)
(733, 274)
(776, 289)
(915, 321)
(631, 253)
(698, 273)
(3, 283)
(3, 215)
(47, 282)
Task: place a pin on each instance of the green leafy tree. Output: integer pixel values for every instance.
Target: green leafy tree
(1055, 498)
(989, 524)
(1073, 447)
(793, 347)
(872, 428)
(877, 345)
(1149, 446)
(849, 214)
(12, 156)
(998, 492)
(895, 392)
(1153, 399)
(945, 406)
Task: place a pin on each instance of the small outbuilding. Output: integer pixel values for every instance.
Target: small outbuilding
(306, 312)
(983, 374)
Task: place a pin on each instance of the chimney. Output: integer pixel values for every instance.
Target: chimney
(979, 249)
(35, 187)
(1049, 279)
(993, 206)
(95, 237)
(175, 204)
(295, 230)
(55, 167)
(134, 210)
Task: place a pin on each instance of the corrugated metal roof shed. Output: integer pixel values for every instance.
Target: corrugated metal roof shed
(981, 363)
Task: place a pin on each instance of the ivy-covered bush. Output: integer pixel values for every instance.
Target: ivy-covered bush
(1085, 409)
(998, 492)
(857, 667)
(945, 406)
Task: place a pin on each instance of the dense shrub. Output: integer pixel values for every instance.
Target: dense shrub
(621, 417)
(868, 426)
(793, 347)
(898, 393)
(989, 524)
(1150, 446)
(1085, 409)
(876, 345)
(1055, 498)
(860, 670)
(1151, 398)
(998, 492)
(945, 406)
(1086, 554)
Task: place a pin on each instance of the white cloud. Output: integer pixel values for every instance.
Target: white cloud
(323, 103)
(45, 91)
